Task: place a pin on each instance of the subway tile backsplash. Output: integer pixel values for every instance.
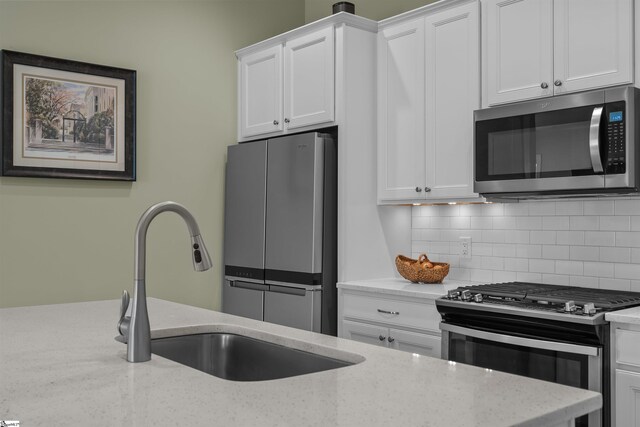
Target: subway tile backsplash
(591, 243)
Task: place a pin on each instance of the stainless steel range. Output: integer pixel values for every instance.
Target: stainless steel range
(548, 332)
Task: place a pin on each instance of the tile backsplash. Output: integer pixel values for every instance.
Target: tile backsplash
(592, 243)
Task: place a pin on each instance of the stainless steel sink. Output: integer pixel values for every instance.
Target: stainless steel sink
(241, 358)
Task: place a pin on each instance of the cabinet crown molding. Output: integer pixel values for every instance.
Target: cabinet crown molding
(335, 20)
(422, 11)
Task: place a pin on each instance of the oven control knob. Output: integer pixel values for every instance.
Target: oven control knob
(453, 294)
(570, 306)
(477, 298)
(589, 308)
(465, 295)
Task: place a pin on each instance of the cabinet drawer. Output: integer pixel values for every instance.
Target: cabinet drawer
(627, 347)
(393, 312)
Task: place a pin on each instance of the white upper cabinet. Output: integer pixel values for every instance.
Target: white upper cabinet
(518, 49)
(261, 92)
(428, 88)
(593, 43)
(309, 82)
(287, 86)
(453, 93)
(401, 144)
(538, 48)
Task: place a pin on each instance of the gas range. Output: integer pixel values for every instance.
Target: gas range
(549, 332)
(561, 303)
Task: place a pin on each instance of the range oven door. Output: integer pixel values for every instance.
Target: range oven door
(563, 363)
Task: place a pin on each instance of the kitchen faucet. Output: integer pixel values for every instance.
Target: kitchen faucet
(136, 327)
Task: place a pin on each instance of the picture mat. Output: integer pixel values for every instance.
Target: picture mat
(63, 160)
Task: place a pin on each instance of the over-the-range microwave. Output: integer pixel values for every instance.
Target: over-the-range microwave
(570, 145)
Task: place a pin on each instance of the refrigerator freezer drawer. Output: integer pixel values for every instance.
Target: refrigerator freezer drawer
(243, 299)
(295, 307)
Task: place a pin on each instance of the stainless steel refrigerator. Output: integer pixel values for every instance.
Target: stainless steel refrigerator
(281, 231)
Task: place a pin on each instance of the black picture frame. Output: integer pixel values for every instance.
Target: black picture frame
(102, 149)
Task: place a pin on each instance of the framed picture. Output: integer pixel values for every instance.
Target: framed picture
(67, 119)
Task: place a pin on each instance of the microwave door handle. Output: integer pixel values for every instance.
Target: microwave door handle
(594, 140)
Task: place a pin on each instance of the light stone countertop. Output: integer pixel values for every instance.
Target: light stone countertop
(629, 315)
(61, 362)
(403, 287)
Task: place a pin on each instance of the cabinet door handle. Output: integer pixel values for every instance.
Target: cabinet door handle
(382, 338)
(388, 312)
(544, 85)
(427, 189)
(418, 189)
(276, 123)
(286, 120)
(391, 339)
(558, 83)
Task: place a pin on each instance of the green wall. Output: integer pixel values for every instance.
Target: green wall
(72, 240)
(372, 9)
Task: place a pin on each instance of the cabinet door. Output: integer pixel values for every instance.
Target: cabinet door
(413, 342)
(518, 41)
(401, 155)
(593, 44)
(261, 92)
(309, 79)
(627, 398)
(364, 332)
(453, 93)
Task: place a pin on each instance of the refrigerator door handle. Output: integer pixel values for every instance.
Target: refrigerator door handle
(293, 285)
(248, 285)
(288, 290)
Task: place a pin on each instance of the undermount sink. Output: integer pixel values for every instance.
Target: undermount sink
(241, 358)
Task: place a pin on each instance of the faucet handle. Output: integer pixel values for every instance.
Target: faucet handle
(123, 323)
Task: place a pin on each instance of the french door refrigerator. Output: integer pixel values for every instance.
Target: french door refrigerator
(280, 231)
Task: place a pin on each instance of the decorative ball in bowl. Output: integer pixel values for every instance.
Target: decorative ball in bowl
(421, 270)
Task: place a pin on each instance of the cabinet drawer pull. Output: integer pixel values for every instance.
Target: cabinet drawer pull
(388, 312)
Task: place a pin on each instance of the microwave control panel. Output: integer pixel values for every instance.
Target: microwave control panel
(615, 138)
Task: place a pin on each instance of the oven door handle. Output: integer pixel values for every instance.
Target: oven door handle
(524, 342)
(594, 140)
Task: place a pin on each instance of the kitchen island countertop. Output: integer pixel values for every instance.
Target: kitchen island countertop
(61, 363)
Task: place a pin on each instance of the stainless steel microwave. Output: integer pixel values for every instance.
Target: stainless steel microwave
(570, 145)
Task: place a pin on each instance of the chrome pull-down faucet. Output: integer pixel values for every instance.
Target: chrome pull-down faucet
(136, 327)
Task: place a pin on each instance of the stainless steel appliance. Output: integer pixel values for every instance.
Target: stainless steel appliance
(280, 231)
(548, 332)
(570, 145)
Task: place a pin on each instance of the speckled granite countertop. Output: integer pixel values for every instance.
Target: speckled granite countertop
(629, 315)
(402, 287)
(61, 363)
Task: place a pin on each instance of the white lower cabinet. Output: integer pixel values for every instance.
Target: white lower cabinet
(627, 405)
(625, 374)
(412, 342)
(392, 321)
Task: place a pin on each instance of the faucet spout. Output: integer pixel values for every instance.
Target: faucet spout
(137, 327)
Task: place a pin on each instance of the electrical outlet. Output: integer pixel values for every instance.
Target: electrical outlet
(465, 247)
